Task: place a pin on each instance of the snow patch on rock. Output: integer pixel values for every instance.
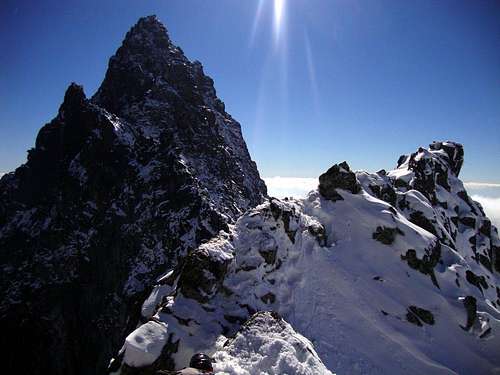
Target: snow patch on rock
(144, 345)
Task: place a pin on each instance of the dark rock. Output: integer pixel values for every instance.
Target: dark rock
(269, 254)
(285, 213)
(235, 319)
(202, 275)
(319, 232)
(386, 235)
(486, 262)
(400, 183)
(416, 315)
(386, 193)
(455, 153)
(418, 218)
(465, 197)
(470, 305)
(268, 298)
(413, 319)
(478, 281)
(431, 168)
(402, 159)
(485, 228)
(495, 254)
(468, 221)
(427, 263)
(338, 176)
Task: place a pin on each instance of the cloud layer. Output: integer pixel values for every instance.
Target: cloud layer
(297, 187)
(491, 207)
(481, 185)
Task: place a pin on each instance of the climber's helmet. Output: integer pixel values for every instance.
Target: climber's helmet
(201, 362)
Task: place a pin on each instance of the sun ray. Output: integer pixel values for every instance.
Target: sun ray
(279, 14)
(312, 72)
(256, 22)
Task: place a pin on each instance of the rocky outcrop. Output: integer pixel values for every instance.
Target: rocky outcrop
(417, 316)
(117, 189)
(338, 176)
(386, 235)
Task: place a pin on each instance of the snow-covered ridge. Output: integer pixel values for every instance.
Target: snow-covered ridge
(388, 272)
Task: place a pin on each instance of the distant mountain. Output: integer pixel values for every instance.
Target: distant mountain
(384, 273)
(118, 188)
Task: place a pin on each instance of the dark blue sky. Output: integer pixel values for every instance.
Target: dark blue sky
(320, 82)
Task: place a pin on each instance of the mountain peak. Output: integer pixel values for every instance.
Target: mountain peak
(148, 67)
(148, 29)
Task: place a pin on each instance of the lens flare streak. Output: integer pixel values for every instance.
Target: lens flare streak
(256, 22)
(279, 10)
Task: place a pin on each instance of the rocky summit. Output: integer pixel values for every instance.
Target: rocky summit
(139, 233)
(118, 188)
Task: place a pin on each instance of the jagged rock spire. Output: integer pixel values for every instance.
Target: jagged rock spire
(454, 154)
(149, 68)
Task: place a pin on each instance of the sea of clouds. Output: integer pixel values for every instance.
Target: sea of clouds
(488, 194)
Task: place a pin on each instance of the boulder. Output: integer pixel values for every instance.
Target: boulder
(337, 177)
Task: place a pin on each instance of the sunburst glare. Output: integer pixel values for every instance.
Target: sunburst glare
(279, 10)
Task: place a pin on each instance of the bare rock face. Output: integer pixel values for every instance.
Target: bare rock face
(118, 188)
(338, 176)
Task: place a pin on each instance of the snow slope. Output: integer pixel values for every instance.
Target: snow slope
(385, 273)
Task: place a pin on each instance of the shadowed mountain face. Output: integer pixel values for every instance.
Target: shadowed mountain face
(118, 188)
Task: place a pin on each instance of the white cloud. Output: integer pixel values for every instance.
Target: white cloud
(491, 207)
(481, 185)
(297, 187)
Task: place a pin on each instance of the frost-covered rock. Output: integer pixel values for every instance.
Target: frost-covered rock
(391, 283)
(117, 189)
(268, 345)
